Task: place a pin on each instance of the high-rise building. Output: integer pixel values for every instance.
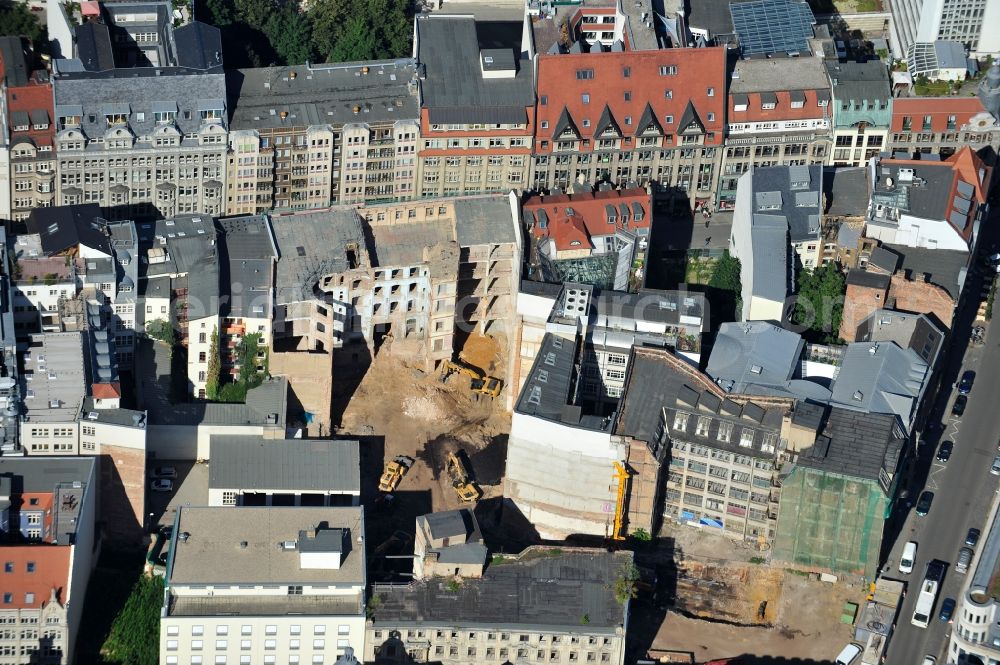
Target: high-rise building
(971, 22)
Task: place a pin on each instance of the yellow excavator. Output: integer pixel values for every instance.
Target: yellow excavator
(394, 472)
(621, 476)
(479, 383)
(466, 489)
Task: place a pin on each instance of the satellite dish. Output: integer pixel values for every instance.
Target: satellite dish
(888, 181)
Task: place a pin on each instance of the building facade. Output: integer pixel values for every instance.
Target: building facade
(477, 109)
(779, 114)
(307, 604)
(965, 21)
(29, 132)
(941, 126)
(311, 136)
(862, 111)
(141, 121)
(632, 117)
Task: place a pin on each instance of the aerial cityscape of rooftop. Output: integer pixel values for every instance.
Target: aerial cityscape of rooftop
(499, 331)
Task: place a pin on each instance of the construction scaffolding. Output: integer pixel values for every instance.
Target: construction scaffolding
(829, 522)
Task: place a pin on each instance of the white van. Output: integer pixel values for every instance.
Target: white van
(849, 654)
(907, 558)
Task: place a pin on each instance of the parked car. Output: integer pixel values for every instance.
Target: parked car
(965, 385)
(849, 654)
(947, 609)
(958, 408)
(161, 485)
(163, 472)
(995, 469)
(907, 558)
(924, 503)
(972, 537)
(963, 560)
(944, 452)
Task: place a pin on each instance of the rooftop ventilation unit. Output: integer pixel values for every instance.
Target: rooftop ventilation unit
(905, 175)
(288, 545)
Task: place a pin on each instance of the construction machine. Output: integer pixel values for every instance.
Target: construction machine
(479, 382)
(459, 474)
(621, 476)
(394, 472)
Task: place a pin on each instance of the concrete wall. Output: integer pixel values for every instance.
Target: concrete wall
(562, 478)
(310, 383)
(123, 493)
(82, 563)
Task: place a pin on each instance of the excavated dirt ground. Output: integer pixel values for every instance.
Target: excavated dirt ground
(401, 410)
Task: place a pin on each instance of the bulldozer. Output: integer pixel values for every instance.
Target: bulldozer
(466, 490)
(394, 472)
(479, 383)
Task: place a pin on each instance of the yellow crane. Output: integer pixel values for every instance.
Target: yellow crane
(621, 476)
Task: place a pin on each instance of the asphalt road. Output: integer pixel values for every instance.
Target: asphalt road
(963, 488)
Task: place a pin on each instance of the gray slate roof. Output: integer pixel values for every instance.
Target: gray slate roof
(546, 392)
(252, 463)
(945, 268)
(754, 353)
(855, 444)
(265, 406)
(799, 205)
(311, 245)
(870, 280)
(859, 81)
(484, 220)
(879, 378)
(549, 591)
(322, 94)
(454, 90)
(846, 191)
(184, 95)
(448, 524)
(249, 255)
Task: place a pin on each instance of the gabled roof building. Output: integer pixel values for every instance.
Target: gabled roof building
(631, 117)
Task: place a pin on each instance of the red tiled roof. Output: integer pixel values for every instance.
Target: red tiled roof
(938, 108)
(107, 390)
(564, 79)
(32, 97)
(589, 216)
(51, 571)
(783, 110)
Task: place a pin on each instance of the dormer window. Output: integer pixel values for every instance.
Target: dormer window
(116, 118)
(211, 114)
(164, 116)
(69, 120)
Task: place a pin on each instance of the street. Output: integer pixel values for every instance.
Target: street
(963, 487)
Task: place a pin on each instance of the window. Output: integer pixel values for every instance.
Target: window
(295, 590)
(746, 437)
(584, 74)
(31, 564)
(680, 420)
(668, 70)
(8, 567)
(725, 431)
(585, 98)
(710, 92)
(704, 422)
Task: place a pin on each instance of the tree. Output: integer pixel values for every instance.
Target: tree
(820, 303)
(17, 20)
(626, 584)
(290, 35)
(356, 42)
(214, 367)
(134, 635)
(162, 330)
(727, 287)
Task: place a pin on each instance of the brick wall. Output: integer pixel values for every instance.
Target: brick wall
(921, 298)
(859, 303)
(123, 495)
